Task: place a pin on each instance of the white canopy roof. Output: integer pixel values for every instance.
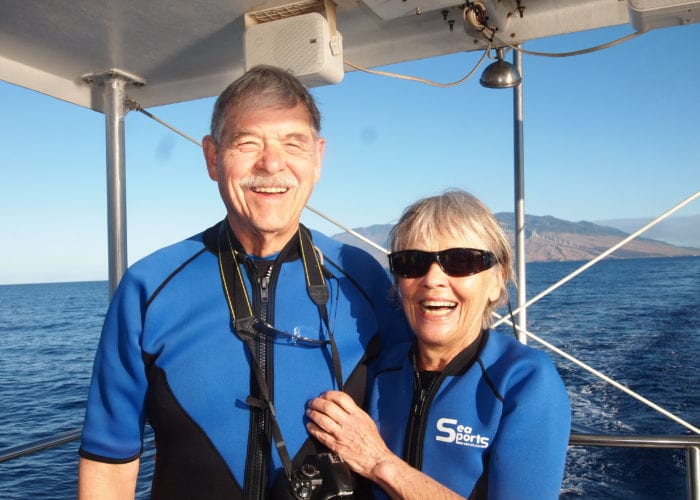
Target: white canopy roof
(191, 49)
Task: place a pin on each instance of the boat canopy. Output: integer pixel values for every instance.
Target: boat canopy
(178, 51)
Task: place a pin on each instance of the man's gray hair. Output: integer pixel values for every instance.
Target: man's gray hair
(261, 87)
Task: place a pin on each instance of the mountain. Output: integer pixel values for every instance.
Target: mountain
(678, 230)
(550, 239)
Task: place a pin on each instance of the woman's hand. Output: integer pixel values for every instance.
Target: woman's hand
(338, 423)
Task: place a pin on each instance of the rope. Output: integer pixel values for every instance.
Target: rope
(603, 377)
(351, 231)
(601, 256)
(423, 80)
(133, 105)
(575, 52)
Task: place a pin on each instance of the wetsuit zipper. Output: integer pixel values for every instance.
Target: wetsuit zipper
(418, 419)
(423, 397)
(256, 483)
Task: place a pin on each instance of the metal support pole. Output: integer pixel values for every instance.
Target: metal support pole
(692, 454)
(114, 110)
(519, 185)
(113, 84)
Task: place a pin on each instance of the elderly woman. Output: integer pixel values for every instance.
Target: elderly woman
(462, 412)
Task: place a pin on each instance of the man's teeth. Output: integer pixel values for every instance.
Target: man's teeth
(270, 190)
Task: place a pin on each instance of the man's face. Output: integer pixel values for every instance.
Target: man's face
(266, 165)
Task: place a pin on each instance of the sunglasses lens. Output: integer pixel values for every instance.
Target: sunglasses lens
(463, 261)
(410, 263)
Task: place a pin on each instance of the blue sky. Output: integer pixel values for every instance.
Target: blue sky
(608, 135)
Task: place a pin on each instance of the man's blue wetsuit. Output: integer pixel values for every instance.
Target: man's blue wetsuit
(494, 424)
(168, 354)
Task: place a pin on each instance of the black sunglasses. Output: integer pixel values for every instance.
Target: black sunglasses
(456, 262)
(269, 331)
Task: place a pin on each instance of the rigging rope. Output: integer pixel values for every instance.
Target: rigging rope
(574, 52)
(602, 376)
(423, 80)
(137, 107)
(600, 257)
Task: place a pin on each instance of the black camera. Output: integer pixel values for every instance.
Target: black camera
(322, 477)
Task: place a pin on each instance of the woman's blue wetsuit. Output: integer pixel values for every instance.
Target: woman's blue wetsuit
(494, 424)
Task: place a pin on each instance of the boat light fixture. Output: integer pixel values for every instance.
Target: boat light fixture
(500, 74)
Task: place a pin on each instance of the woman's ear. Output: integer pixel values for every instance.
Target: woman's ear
(496, 283)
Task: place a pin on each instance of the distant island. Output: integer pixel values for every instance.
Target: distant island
(550, 239)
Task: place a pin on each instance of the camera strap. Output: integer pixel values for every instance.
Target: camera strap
(244, 321)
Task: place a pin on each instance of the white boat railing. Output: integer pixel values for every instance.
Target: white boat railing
(691, 445)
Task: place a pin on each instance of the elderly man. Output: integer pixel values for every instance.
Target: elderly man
(219, 340)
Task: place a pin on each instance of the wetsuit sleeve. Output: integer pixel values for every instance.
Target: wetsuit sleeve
(376, 282)
(529, 452)
(114, 418)
(373, 281)
(393, 326)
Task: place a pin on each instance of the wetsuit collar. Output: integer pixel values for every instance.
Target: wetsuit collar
(289, 253)
(462, 361)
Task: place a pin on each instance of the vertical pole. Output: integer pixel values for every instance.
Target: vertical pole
(114, 109)
(692, 454)
(519, 185)
(112, 84)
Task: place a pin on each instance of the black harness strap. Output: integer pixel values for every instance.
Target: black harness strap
(355, 387)
(234, 289)
(244, 321)
(318, 292)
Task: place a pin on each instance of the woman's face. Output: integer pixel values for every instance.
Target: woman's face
(446, 312)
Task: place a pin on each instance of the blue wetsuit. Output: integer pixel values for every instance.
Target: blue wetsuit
(494, 424)
(168, 354)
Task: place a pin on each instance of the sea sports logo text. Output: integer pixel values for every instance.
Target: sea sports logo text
(449, 431)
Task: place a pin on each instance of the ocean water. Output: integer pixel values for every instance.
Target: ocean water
(637, 321)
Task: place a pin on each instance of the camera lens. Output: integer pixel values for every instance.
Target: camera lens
(309, 470)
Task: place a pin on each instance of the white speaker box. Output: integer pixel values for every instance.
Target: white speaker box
(301, 44)
(650, 14)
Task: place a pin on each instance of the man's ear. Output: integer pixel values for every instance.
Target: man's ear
(321, 145)
(211, 156)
